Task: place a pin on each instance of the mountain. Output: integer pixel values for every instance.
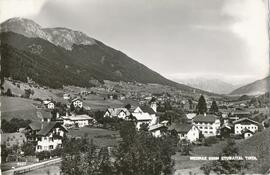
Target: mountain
(256, 88)
(210, 85)
(58, 56)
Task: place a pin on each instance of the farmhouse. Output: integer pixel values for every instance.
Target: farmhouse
(77, 102)
(208, 124)
(48, 104)
(13, 139)
(145, 114)
(50, 137)
(245, 123)
(76, 120)
(185, 131)
(117, 112)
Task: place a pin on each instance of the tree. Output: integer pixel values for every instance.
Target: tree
(201, 107)
(214, 107)
(226, 166)
(28, 149)
(9, 93)
(128, 106)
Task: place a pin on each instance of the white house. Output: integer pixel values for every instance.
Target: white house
(77, 102)
(208, 124)
(145, 114)
(50, 137)
(49, 104)
(186, 131)
(117, 112)
(243, 124)
(76, 120)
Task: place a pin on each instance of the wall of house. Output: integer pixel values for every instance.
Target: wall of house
(209, 129)
(48, 143)
(193, 134)
(239, 127)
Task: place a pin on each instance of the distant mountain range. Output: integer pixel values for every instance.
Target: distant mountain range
(59, 56)
(256, 88)
(210, 85)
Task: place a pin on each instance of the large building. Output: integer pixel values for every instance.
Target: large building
(245, 124)
(50, 137)
(76, 120)
(122, 113)
(145, 114)
(208, 124)
(185, 131)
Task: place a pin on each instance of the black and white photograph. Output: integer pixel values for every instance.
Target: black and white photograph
(134, 87)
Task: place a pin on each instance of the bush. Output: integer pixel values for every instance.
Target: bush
(208, 141)
(43, 155)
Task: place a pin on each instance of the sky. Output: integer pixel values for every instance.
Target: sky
(180, 39)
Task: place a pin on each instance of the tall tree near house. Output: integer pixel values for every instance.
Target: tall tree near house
(214, 107)
(201, 107)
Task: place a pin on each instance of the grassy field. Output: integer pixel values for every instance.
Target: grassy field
(101, 137)
(15, 107)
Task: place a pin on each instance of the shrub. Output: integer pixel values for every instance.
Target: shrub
(208, 141)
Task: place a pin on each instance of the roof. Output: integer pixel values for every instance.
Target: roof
(78, 117)
(47, 128)
(245, 119)
(116, 111)
(156, 127)
(147, 109)
(35, 125)
(181, 128)
(209, 118)
(75, 99)
(241, 113)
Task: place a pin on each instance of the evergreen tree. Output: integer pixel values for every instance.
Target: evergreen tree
(201, 107)
(214, 107)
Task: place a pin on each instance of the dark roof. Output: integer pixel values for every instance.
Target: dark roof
(147, 109)
(245, 119)
(209, 118)
(246, 131)
(238, 112)
(47, 128)
(181, 128)
(35, 126)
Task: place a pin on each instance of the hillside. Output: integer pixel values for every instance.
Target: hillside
(42, 54)
(256, 88)
(257, 146)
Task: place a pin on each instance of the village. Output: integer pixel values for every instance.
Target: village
(195, 120)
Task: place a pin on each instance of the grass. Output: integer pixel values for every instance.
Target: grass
(16, 107)
(101, 137)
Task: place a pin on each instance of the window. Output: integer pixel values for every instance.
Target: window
(39, 147)
(205, 127)
(50, 139)
(211, 132)
(205, 131)
(201, 127)
(211, 127)
(51, 147)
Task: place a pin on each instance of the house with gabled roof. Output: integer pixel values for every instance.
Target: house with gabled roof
(76, 120)
(208, 124)
(122, 113)
(77, 102)
(185, 131)
(145, 114)
(50, 137)
(158, 130)
(49, 104)
(245, 123)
